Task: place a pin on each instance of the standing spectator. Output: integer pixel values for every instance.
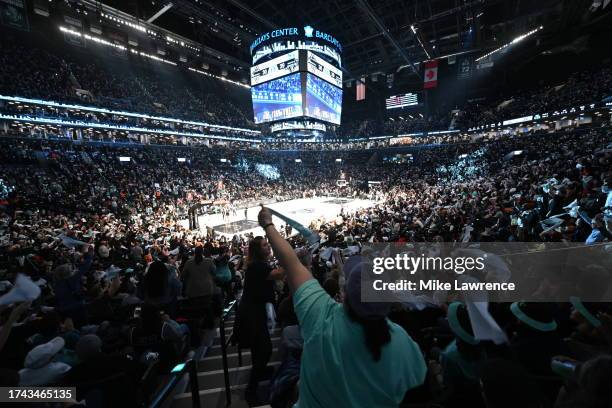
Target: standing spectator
(198, 274)
(353, 356)
(252, 320)
(160, 288)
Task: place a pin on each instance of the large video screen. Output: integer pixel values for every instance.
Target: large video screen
(324, 69)
(323, 100)
(275, 68)
(277, 99)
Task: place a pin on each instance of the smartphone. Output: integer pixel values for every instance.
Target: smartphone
(137, 311)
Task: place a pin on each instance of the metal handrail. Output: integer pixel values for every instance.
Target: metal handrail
(177, 374)
(224, 344)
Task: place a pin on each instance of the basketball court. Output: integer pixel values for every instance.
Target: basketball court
(303, 210)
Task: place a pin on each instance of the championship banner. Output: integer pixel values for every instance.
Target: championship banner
(464, 69)
(430, 77)
(13, 14)
(73, 32)
(120, 40)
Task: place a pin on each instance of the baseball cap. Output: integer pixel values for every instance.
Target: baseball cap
(42, 355)
(355, 277)
(88, 345)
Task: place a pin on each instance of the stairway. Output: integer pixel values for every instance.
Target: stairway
(211, 379)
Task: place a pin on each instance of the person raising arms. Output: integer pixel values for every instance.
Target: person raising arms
(353, 355)
(252, 320)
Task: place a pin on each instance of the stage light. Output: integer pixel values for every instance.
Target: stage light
(218, 77)
(514, 41)
(91, 38)
(153, 57)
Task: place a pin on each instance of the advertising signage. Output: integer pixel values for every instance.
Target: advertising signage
(307, 32)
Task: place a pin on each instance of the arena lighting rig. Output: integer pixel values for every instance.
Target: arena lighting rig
(516, 40)
(106, 43)
(296, 80)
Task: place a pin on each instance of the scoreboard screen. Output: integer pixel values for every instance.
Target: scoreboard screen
(401, 101)
(278, 99)
(296, 84)
(324, 69)
(323, 100)
(275, 68)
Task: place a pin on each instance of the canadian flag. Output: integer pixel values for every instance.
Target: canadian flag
(430, 77)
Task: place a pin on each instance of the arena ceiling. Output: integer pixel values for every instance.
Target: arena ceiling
(379, 37)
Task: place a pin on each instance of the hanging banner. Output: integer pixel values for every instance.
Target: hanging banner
(73, 31)
(464, 69)
(13, 14)
(430, 76)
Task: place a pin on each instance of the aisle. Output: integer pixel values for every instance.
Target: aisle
(210, 373)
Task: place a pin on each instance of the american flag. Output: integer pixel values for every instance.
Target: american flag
(399, 101)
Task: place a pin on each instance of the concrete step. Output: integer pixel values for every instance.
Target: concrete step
(216, 362)
(228, 331)
(215, 398)
(237, 376)
(215, 349)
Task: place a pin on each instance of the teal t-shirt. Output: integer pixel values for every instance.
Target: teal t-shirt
(338, 370)
(458, 370)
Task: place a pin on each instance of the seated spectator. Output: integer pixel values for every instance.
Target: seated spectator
(462, 358)
(40, 367)
(506, 384)
(590, 387)
(94, 366)
(536, 339)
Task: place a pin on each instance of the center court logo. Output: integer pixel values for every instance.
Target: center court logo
(308, 30)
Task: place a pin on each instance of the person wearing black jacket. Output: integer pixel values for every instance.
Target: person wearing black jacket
(252, 318)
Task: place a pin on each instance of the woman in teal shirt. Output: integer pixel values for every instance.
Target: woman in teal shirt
(353, 355)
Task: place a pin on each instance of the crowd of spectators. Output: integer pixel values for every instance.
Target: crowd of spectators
(69, 77)
(106, 245)
(41, 73)
(580, 88)
(103, 284)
